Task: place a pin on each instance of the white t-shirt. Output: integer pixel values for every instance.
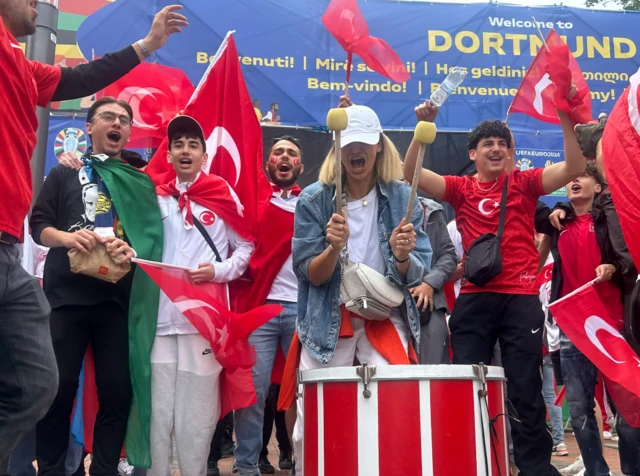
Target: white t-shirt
(456, 238)
(363, 243)
(285, 285)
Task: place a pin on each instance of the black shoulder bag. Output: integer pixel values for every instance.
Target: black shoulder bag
(484, 257)
(206, 236)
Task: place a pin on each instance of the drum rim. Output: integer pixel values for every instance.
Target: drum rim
(400, 372)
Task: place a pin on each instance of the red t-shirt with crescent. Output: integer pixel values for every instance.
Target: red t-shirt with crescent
(23, 85)
(477, 207)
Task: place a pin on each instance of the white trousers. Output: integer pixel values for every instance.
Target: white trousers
(185, 400)
(346, 351)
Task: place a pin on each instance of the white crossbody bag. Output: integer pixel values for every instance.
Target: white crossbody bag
(366, 292)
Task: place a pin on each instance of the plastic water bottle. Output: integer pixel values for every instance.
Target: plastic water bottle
(451, 82)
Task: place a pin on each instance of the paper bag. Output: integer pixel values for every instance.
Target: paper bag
(98, 264)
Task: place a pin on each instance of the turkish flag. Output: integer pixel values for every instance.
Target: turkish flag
(222, 106)
(584, 319)
(345, 22)
(205, 305)
(156, 94)
(621, 156)
(548, 79)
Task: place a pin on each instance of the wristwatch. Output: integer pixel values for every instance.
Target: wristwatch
(143, 47)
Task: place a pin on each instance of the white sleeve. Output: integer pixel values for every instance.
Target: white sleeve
(236, 264)
(456, 238)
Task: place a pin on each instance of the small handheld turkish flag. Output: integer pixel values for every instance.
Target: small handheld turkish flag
(547, 82)
(155, 93)
(345, 22)
(584, 319)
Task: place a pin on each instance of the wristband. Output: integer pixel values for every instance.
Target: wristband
(143, 47)
(401, 261)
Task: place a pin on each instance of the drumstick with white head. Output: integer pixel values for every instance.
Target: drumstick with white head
(424, 134)
(337, 121)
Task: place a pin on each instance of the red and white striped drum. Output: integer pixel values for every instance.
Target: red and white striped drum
(418, 420)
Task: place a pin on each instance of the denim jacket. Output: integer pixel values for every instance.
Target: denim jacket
(319, 306)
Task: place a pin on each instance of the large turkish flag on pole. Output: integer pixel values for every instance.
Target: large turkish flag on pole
(222, 105)
(584, 319)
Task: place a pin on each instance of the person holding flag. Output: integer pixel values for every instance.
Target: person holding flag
(108, 201)
(583, 249)
(203, 228)
(506, 308)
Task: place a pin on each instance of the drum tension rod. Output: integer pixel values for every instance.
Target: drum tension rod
(365, 372)
(481, 372)
(298, 393)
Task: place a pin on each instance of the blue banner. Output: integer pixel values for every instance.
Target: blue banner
(289, 58)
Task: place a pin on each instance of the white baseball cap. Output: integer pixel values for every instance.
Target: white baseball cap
(363, 126)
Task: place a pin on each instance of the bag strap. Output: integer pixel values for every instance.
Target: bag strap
(503, 206)
(205, 235)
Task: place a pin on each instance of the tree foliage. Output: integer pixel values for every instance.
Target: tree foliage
(625, 4)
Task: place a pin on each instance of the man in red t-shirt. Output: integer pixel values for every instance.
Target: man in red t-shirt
(28, 374)
(507, 307)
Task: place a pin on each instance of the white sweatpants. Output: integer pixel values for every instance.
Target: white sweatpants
(346, 350)
(185, 399)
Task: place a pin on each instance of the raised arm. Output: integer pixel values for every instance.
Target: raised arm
(430, 182)
(86, 79)
(560, 174)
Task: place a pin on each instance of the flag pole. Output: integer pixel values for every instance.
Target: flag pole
(581, 288)
(544, 41)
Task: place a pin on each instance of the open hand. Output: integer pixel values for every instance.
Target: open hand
(165, 23)
(423, 295)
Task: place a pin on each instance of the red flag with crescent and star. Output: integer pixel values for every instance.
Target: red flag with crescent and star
(222, 105)
(585, 321)
(205, 305)
(548, 79)
(156, 93)
(345, 22)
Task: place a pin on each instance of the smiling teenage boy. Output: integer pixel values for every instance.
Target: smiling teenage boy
(507, 307)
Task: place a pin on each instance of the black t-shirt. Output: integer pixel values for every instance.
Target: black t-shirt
(69, 202)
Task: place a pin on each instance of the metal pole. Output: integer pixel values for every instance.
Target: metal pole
(41, 46)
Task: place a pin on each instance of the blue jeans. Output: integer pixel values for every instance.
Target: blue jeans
(28, 371)
(580, 377)
(248, 421)
(549, 394)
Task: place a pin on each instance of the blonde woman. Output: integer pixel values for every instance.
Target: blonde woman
(372, 229)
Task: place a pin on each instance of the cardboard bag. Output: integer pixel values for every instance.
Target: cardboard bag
(98, 264)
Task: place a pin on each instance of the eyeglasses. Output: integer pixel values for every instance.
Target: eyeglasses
(110, 118)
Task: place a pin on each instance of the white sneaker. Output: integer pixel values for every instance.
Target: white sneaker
(607, 435)
(573, 468)
(124, 468)
(560, 450)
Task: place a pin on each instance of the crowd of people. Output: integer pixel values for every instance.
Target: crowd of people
(166, 391)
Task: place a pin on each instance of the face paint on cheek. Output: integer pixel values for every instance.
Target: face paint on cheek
(272, 160)
(296, 162)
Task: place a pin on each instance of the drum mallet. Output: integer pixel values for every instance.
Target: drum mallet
(424, 134)
(337, 121)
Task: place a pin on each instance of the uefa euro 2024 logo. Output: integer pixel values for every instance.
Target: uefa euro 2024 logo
(524, 164)
(70, 139)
